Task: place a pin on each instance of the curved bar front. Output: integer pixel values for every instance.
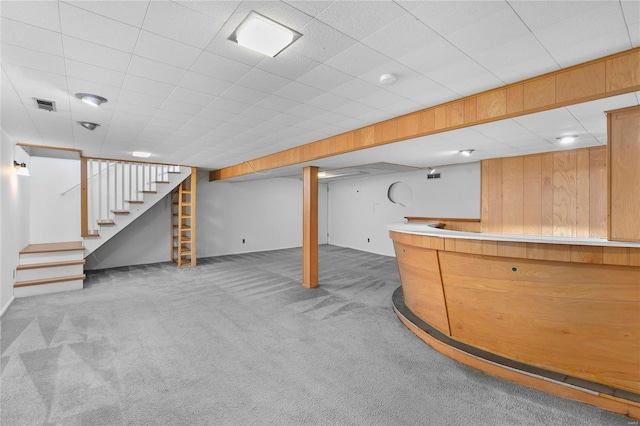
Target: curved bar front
(557, 314)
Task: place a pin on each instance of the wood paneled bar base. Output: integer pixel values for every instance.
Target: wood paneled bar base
(552, 313)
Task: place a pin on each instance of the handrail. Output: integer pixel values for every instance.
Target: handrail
(79, 184)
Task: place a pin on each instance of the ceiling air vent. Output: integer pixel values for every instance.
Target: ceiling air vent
(45, 105)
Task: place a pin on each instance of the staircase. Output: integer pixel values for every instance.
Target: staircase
(49, 268)
(183, 223)
(115, 193)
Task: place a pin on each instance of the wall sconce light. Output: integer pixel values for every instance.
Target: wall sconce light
(21, 169)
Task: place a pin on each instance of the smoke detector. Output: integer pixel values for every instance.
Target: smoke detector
(387, 79)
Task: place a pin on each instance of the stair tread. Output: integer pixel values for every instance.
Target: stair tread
(120, 211)
(134, 201)
(53, 247)
(161, 181)
(106, 222)
(51, 264)
(148, 191)
(49, 280)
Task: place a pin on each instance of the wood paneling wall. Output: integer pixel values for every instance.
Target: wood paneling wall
(560, 193)
(601, 78)
(624, 174)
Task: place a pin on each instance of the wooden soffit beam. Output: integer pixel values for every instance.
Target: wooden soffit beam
(601, 78)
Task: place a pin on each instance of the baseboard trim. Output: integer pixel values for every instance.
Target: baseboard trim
(4, 309)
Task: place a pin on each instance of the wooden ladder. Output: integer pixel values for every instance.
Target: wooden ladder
(183, 222)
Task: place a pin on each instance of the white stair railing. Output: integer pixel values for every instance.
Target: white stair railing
(111, 186)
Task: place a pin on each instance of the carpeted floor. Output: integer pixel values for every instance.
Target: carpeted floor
(238, 341)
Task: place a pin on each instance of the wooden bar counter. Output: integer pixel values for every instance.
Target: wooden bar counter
(558, 314)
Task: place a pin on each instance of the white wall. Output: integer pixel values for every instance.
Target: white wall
(54, 218)
(14, 218)
(146, 240)
(267, 214)
(359, 209)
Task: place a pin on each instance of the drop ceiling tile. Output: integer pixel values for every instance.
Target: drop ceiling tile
(306, 111)
(329, 101)
(490, 30)
(88, 72)
(401, 37)
(631, 10)
(355, 109)
(355, 89)
(216, 114)
(357, 59)
(162, 49)
(154, 70)
(181, 107)
(149, 87)
(228, 105)
(21, 76)
(219, 67)
(277, 103)
(191, 96)
(160, 124)
(177, 117)
(447, 17)
(219, 11)
(91, 53)
(43, 14)
(381, 99)
(465, 77)
(128, 12)
(516, 59)
(320, 42)
(32, 59)
(551, 124)
(360, 19)
(263, 114)
(262, 80)
(582, 51)
(244, 94)
(287, 64)
(30, 37)
(298, 92)
(97, 29)
(17, 122)
(325, 78)
(174, 21)
(583, 29)
(199, 82)
(553, 12)
(432, 56)
(311, 8)
(139, 98)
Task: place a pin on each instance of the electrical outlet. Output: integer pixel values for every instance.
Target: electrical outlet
(368, 240)
(243, 241)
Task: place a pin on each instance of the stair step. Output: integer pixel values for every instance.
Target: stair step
(53, 247)
(134, 201)
(106, 223)
(161, 181)
(174, 172)
(149, 191)
(92, 234)
(120, 211)
(50, 264)
(48, 281)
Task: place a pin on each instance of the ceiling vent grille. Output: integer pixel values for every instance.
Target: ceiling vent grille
(45, 105)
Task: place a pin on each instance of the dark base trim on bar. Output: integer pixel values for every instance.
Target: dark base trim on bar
(401, 307)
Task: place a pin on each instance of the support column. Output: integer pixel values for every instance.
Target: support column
(310, 227)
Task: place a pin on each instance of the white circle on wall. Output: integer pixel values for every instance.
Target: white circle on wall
(400, 193)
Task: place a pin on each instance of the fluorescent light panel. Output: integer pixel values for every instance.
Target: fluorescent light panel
(263, 35)
(141, 154)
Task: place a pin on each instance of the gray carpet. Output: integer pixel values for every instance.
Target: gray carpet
(238, 341)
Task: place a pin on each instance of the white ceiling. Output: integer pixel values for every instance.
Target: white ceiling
(179, 89)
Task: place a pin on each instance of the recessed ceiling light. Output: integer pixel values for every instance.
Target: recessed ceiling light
(388, 79)
(322, 175)
(141, 154)
(263, 35)
(567, 138)
(88, 125)
(466, 152)
(90, 99)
